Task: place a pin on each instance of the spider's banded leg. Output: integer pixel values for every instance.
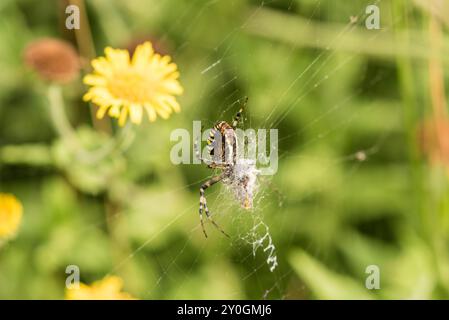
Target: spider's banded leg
(213, 147)
(203, 205)
(211, 139)
(238, 115)
(213, 222)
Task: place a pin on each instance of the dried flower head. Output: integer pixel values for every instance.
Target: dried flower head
(10, 215)
(53, 59)
(122, 86)
(108, 288)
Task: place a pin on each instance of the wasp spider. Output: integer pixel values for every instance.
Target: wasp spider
(222, 147)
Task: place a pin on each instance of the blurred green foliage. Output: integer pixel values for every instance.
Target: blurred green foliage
(352, 189)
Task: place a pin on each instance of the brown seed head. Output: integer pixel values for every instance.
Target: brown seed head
(53, 59)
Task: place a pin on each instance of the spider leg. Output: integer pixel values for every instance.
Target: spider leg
(203, 204)
(238, 115)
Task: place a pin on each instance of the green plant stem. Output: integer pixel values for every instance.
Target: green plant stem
(86, 47)
(68, 134)
(411, 114)
(29, 154)
(59, 118)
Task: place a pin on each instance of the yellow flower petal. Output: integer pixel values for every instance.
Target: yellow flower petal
(164, 114)
(108, 288)
(102, 66)
(142, 55)
(135, 113)
(10, 215)
(172, 87)
(151, 112)
(123, 116)
(173, 103)
(93, 80)
(114, 111)
(118, 58)
(101, 111)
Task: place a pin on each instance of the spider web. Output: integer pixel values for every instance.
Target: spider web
(253, 240)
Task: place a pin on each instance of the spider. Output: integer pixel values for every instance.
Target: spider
(239, 173)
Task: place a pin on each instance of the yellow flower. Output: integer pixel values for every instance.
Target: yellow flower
(108, 288)
(122, 86)
(10, 215)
